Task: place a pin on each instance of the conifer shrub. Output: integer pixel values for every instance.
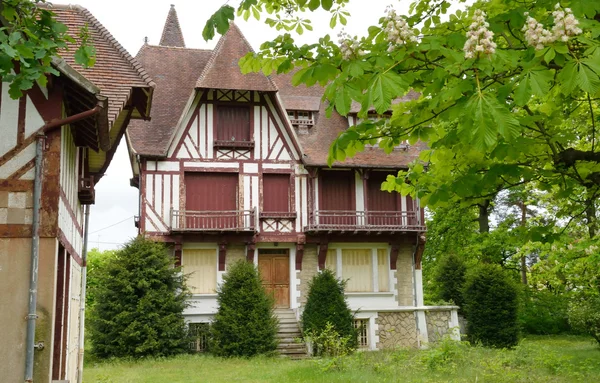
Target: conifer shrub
(491, 305)
(326, 309)
(450, 278)
(245, 324)
(139, 302)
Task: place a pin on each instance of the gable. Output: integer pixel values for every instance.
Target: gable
(262, 134)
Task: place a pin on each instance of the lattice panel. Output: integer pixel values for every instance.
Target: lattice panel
(274, 225)
(233, 154)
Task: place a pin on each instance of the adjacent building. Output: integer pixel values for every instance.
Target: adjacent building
(234, 166)
(56, 143)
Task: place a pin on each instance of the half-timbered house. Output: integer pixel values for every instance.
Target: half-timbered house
(233, 166)
(55, 144)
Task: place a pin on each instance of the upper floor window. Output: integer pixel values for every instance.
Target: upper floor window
(276, 194)
(232, 125)
(301, 117)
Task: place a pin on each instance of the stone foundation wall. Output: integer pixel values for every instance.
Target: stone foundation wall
(234, 253)
(396, 330)
(310, 267)
(438, 324)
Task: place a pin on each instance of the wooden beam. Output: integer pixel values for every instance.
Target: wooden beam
(299, 255)
(421, 239)
(394, 256)
(251, 246)
(177, 254)
(323, 246)
(222, 255)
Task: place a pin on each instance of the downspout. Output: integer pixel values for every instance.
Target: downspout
(35, 235)
(82, 295)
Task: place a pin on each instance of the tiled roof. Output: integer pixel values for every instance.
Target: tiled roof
(175, 71)
(223, 71)
(116, 72)
(315, 141)
(310, 103)
(172, 36)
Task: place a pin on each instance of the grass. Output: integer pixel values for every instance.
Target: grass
(536, 359)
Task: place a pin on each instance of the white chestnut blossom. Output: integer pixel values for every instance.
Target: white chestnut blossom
(397, 29)
(565, 26)
(349, 46)
(479, 37)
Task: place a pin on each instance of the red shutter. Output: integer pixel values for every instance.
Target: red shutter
(276, 193)
(379, 202)
(337, 193)
(211, 192)
(233, 123)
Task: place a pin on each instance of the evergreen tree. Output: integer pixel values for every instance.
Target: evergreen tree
(245, 324)
(450, 278)
(491, 304)
(139, 302)
(326, 304)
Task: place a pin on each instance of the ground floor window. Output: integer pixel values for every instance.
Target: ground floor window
(201, 267)
(198, 334)
(365, 270)
(362, 331)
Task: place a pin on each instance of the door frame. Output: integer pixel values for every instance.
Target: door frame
(290, 248)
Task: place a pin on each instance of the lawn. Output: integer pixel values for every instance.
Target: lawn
(536, 359)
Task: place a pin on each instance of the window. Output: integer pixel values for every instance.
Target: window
(362, 331)
(276, 193)
(201, 265)
(198, 335)
(361, 268)
(233, 124)
(301, 117)
(357, 269)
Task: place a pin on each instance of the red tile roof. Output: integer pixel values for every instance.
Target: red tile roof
(223, 71)
(172, 36)
(175, 71)
(116, 72)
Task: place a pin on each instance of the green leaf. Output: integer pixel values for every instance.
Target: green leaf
(219, 21)
(488, 118)
(343, 102)
(327, 4)
(384, 88)
(549, 55)
(314, 4)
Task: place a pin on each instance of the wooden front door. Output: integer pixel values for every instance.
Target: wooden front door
(275, 273)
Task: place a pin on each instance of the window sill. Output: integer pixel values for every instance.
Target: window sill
(233, 144)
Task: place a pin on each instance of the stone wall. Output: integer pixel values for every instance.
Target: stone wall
(234, 253)
(404, 276)
(396, 330)
(310, 267)
(438, 324)
(16, 208)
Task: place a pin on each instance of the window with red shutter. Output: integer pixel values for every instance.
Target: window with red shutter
(276, 194)
(233, 126)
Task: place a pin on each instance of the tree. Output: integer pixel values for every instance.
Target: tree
(139, 303)
(245, 324)
(30, 38)
(491, 304)
(504, 101)
(326, 304)
(450, 278)
(97, 262)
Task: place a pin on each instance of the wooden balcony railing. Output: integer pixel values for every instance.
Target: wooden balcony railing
(195, 221)
(86, 191)
(365, 221)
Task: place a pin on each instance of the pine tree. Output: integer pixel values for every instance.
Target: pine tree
(245, 324)
(139, 303)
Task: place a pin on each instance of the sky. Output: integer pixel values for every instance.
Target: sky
(130, 21)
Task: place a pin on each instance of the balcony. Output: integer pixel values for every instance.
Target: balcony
(365, 221)
(213, 221)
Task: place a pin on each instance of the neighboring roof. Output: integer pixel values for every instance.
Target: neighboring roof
(301, 102)
(172, 36)
(115, 71)
(175, 71)
(223, 71)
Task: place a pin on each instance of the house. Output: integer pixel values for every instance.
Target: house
(57, 142)
(235, 168)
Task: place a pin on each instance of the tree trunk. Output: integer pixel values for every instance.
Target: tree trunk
(590, 214)
(523, 257)
(484, 216)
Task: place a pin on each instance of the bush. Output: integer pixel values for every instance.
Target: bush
(584, 315)
(245, 324)
(139, 302)
(328, 342)
(325, 305)
(450, 278)
(543, 312)
(491, 305)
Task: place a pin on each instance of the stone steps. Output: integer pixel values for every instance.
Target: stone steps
(289, 335)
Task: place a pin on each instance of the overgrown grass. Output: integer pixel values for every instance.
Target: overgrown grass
(535, 359)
